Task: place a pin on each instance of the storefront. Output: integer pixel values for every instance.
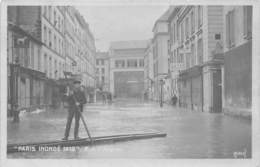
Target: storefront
(191, 88)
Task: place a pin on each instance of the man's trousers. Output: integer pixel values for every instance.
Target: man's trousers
(71, 113)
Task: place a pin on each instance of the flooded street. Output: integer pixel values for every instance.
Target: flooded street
(189, 134)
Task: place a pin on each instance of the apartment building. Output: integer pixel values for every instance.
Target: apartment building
(148, 72)
(52, 25)
(196, 53)
(102, 71)
(26, 78)
(127, 68)
(58, 41)
(237, 68)
(161, 37)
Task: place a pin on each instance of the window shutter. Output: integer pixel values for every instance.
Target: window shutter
(249, 20)
(227, 31)
(232, 27)
(245, 20)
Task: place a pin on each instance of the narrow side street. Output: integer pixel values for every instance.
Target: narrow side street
(189, 134)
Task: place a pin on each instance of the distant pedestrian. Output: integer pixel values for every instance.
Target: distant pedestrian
(76, 100)
(109, 97)
(104, 97)
(174, 100)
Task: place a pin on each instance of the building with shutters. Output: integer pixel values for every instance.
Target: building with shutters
(26, 78)
(148, 72)
(196, 47)
(160, 43)
(46, 42)
(80, 49)
(102, 71)
(237, 68)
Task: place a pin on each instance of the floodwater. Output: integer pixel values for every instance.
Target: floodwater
(189, 134)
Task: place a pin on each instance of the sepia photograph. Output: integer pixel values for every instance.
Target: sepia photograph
(129, 81)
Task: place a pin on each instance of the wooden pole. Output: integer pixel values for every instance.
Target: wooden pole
(82, 118)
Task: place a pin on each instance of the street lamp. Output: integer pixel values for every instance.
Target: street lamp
(161, 95)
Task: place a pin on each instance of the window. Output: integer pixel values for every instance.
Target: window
(175, 57)
(103, 79)
(169, 46)
(45, 10)
(141, 63)
(120, 63)
(59, 23)
(247, 21)
(102, 61)
(178, 31)
(39, 58)
(55, 43)
(182, 32)
(187, 28)
(200, 16)
(32, 56)
(192, 17)
(171, 58)
(50, 67)
(45, 35)
(55, 21)
(59, 46)
(193, 59)
(103, 70)
(60, 70)
(55, 69)
(181, 58)
(45, 63)
(49, 13)
(188, 56)
(230, 33)
(50, 38)
(200, 52)
(132, 63)
(174, 33)
(97, 62)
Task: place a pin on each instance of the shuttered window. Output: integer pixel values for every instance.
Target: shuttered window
(247, 21)
(230, 29)
(192, 22)
(200, 52)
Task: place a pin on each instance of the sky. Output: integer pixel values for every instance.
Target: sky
(120, 23)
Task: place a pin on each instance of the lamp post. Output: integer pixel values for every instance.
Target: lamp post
(161, 95)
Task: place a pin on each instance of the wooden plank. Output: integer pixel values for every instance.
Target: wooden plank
(23, 147)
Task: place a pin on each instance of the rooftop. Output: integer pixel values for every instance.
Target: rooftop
(133, 44)
(165, 16)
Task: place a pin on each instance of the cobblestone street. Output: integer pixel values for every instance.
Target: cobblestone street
(189, 134)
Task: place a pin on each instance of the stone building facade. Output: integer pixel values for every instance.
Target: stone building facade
(196, 54)
(48, 48)
(102, 71)
(127, 68)
(237, 69)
